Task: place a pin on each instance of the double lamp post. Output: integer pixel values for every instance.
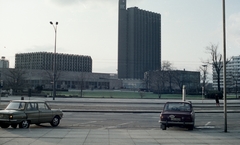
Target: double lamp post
(54, 60)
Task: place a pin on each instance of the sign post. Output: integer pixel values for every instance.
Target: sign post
(184, 93)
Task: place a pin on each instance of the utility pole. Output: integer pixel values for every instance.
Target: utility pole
(224, 68)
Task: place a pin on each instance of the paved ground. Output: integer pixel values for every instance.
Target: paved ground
(174, 136)
(54, 136)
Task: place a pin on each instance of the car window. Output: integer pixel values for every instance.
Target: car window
(177, 107)
(16, 106)
(32, 106)
(42, 106)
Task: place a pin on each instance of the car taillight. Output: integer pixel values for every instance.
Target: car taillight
(163, 117)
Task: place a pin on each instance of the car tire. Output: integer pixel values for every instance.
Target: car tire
(55, 121)
(191, 127)
(24, 124)
(14, 125)
(5, 125)
(163, 126)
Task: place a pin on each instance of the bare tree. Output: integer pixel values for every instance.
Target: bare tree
(203, 71)
(15, 79)
(48, 75)
(168, 68)
(157, 82)
(216, 61)
(160, 78)
(82, 77)
(147, 80)
(179, 78)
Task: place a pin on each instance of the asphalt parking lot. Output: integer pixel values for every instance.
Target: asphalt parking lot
(115, 136)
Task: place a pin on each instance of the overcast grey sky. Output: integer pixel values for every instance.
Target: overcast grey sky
(90, 27)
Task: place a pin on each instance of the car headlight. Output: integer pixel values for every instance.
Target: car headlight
(10, 116)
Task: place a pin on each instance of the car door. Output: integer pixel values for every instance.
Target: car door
(45, 113)
(32, 112)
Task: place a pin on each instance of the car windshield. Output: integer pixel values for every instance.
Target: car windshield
(178, 106)
(16, 106)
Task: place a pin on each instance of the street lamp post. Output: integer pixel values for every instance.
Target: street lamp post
(54, 60)
(224, 68)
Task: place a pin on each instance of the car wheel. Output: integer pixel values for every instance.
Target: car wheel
(191, 127)
(14, 125)
(24, 124)
(5, 125)
(163, 126)
(55, 121)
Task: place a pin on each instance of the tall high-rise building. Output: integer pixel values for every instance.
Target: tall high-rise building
(4, 63)
(232, 75)
(139, 41)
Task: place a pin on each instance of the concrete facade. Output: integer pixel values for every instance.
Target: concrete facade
(232, 75)
(65, 80)
(44, 60)
(4, 63)
(173, 81)
(139, 42)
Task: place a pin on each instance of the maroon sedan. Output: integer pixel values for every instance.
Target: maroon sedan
(178, 114)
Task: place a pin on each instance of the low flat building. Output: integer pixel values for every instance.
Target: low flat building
(172, 81)
(65, 80)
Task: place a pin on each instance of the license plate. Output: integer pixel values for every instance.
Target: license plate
(176, 119)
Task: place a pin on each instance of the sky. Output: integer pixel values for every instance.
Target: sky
(90, 27)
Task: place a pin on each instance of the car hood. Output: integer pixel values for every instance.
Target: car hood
(56, 110)
(8, 111)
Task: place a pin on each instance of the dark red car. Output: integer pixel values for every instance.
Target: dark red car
(180, 114)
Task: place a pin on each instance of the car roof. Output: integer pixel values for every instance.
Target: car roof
(188, 102)
(26, 101)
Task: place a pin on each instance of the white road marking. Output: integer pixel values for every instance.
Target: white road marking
(116, 125)
(124, 123)
(89, 122)
(207, 123)
(77, 124)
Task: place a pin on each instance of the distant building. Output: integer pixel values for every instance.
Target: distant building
(73, 72)
(4, 63)
(139, 42)
(133, 84)
(172, 81)
(232, 75)
(66, 80)
(44, 61)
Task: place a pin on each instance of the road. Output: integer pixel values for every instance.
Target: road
(133, 113)
(104, 104)
(86, 120)
(132, 106)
